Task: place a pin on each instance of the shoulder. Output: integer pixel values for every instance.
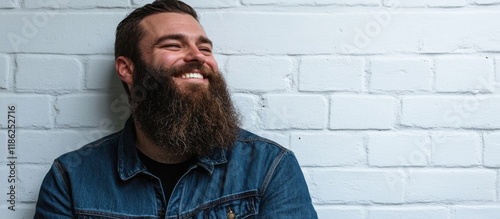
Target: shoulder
(248, 140)
(101, 149)
(254, 151)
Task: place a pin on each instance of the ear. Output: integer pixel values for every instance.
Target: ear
(125, 70)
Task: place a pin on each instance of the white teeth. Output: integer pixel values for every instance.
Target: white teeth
(192, 75)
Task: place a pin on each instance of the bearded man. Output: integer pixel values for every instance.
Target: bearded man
(181, 153)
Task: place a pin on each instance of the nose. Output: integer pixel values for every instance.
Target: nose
(194, 55)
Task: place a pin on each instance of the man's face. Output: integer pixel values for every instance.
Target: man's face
(173, 40)
(173, 106)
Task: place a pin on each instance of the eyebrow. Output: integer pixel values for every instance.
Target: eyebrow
(182, 37)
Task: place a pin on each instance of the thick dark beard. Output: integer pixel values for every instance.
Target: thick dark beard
(194, 122)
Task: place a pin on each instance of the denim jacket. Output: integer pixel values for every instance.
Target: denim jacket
(105, 179)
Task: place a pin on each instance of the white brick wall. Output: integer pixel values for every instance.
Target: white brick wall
(401, 74)
(265, 74)
(391, 106)
(292, 111)
(456, 149)
(491, 150)
(477, 212)
(97, 67)
(457, 74)
(331, 74)
(47, 73)
(408, 213)
(451, 186)
(398, 149)
(430, 3)
(362, 112)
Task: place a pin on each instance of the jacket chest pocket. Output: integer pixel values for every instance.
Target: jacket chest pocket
(233, 209)
(86, 214)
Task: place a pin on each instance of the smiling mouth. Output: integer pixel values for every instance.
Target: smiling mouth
(192, 75)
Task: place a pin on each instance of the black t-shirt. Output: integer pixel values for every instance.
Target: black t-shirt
(169, 174)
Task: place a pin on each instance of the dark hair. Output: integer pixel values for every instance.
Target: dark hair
(129, 32)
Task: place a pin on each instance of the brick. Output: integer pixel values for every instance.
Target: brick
(485, 2)
(199, 4)
(249, 73)
(401, 74)
(4, 151)
(317, 2)
(340, 212)
(40, 32)
(464, 74)
(247, 106)
(140, 2)
(4, 71)
(310, 149)
(212, 4)
(9, 4)
(430, 3)
(478, 111)
(30, 179)
(32, 111)
(101, 74)
(356, 186)
(476, 212)
(101, 110)
(480, 39)
(398, 149)
(498, 186)
(45, 146)
(47, 73)
(362, 112)
(451, 185)
(492, 150)
(456, 150)
(22, 210)
(331, 74)
(408, 213)
(285, 111)
(497, 72)
(75, 4)
(428, 111)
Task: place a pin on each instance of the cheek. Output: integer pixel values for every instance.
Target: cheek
(166, 59)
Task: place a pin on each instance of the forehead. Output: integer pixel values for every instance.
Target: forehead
(158, 25)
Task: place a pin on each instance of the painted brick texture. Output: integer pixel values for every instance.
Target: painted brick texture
(392, 107)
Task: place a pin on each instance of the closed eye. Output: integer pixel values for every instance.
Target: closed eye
(171, 46)
(205, 49)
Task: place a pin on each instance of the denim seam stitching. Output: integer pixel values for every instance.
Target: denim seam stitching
(258, 139)
(62, 173)
(106, 214)
(271, 171)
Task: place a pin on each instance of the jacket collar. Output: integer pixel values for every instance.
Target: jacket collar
(129, 163)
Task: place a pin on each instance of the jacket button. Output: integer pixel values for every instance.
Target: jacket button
(230, 214)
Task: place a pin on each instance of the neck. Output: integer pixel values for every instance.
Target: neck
(156, 152)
